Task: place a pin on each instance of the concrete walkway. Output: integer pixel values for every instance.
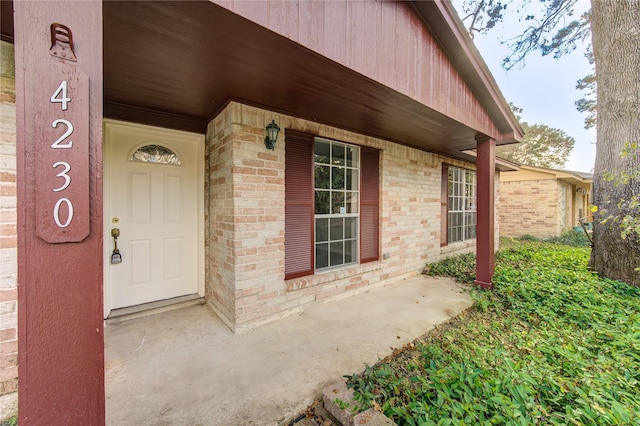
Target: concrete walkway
(186, 367)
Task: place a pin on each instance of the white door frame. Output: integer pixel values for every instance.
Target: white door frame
(107, 190)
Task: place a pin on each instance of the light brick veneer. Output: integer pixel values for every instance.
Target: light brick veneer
(8, 236)
(245, 218)
(530, 207)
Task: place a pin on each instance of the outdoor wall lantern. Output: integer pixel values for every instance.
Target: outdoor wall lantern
(272, 135)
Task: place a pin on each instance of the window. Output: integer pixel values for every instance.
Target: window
(461, 211)
(336, 195)
(156, 154)
(331, 204)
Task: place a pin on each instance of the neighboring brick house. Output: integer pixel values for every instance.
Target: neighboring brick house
(379, 106)
(543, 202)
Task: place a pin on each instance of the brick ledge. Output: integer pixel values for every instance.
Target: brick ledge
(331, 275)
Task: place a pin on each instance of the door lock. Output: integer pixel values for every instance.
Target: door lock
(116, 257)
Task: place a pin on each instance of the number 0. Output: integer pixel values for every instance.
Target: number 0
(62, 92)
(56, 212)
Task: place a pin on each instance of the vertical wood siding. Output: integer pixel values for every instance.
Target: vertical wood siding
(383, 40)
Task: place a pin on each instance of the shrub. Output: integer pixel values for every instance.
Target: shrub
(528, 237)
(574, 238)
(461, 267)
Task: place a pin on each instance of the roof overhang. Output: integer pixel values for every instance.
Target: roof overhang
(544, 173)
(501, 164)
(176, 64)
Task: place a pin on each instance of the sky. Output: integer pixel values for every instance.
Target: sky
(544, 88)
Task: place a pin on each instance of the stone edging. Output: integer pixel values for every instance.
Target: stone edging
(338, 395)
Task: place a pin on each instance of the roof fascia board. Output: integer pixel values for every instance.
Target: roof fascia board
(559, 174)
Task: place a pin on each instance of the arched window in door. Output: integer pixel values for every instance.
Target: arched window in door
(156, 154)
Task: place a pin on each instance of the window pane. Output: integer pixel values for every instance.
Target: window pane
(336, 254)
(350, 251)
(351, 202)
(323, 152)
(322, 255)
(156, 154)
(352, 180)
(469, 232)
(322, 229)
(350, 227)
(322, 202)
(337, 178)
(470, 218)
(337, 203)
(352, 156)
(338, 153)
(337, 229)
(322, 177)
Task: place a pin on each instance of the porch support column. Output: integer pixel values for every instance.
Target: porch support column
(485, 170)
(60, 314)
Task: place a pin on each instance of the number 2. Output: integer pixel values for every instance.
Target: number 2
(58, 143)
(62, 92)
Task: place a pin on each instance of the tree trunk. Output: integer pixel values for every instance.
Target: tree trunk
(615, 29)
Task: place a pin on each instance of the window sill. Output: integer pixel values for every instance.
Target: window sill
(332, 275)
(457, 246)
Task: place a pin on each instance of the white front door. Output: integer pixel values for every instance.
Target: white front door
(153, 198)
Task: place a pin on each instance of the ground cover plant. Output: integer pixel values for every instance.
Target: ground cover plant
(551, 344)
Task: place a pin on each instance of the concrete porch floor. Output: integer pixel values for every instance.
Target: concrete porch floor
(185, 367)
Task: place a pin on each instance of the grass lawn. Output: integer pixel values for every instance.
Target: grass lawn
(551, 344)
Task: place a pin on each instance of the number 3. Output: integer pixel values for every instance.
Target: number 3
(63, 174)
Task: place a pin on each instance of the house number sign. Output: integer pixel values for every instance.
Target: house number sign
(61, 113)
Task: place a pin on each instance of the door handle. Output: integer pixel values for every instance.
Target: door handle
(116, 257)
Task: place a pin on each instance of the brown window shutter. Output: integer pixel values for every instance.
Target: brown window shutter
(369, 205)
(298, 205)
(444, 206)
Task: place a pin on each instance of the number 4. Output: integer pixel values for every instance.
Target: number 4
(61, 91)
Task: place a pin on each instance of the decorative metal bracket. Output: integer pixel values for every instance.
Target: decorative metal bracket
(62, 43)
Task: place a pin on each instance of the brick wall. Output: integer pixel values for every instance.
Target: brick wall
(245, 192)
(530, 207)
(8, 236)
(245, 218)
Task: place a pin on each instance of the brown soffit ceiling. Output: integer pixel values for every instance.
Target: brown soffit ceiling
(6, 21)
